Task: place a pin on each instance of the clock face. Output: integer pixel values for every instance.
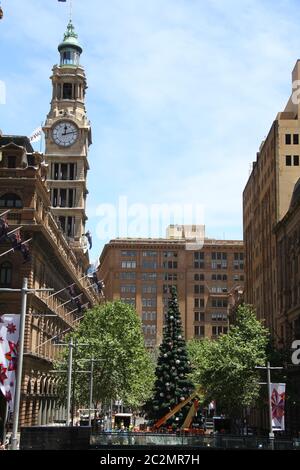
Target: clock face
(65, 133)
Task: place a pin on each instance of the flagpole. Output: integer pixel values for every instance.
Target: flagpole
(41, 138)
(13, 249)
(4, 213)
(14, 439)
(5, 423)
(71, 10)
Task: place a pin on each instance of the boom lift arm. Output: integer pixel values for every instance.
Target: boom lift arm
(175, 410)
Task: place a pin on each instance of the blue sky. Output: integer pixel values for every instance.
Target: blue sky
(181, 93)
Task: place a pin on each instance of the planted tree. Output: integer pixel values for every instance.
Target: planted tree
(225, 368)
(123, 369)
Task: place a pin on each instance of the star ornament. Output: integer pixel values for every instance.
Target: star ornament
(11, 328)
(11, 356)
(3, 375)
(278, 402)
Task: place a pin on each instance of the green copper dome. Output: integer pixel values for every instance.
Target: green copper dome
(70, 39)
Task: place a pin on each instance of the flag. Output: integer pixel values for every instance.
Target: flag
(71, 290)
(278, 406)
(9, 344)
(36, 135)
(3, 229)
(89, 237)
(16, 241)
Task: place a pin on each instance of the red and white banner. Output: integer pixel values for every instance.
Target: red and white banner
(9, 345)
(278, 406)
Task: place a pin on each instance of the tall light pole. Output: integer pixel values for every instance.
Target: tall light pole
(24, 291)
(91, 391)
(69, 389)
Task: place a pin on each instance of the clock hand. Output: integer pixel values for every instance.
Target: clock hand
(72, 132)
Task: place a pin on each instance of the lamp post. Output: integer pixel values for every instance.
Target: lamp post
(91, 391)
(24, 291)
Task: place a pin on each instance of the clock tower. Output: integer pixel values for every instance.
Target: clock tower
(68, 137)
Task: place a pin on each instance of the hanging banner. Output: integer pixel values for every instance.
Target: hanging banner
(9, 345)
(278, 405)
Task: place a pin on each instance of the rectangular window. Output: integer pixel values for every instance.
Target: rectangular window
(149, 289)
(199, 331)
(12, 162)
(63, 171)
(199, 316)
(149, 302)
(149, 265)
(71, 197)
(128, 289)
(128, 254)
(296, 139)
(128, 264)
(149, 254)
(67, 91)
(288, 139)
(219, 317)
(199, 277)
(54, 197)
(170, 277)
(170, 264)
(63, 198)
(288, 160)
(199, 264)
(219, 303)
(70, 227)
(128, 276)
(218, 330)
(296, 160)
(55, 171)
(198, 289)
(72, 171)
(170, 254)
(149, 276)
(198, 303)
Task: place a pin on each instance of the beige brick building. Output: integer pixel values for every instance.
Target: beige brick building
(266, 200)
(140, 272)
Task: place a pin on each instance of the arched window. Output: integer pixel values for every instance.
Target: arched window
(5, 274)
(11, 201)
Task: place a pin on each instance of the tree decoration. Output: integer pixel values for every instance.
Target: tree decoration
(172, 369)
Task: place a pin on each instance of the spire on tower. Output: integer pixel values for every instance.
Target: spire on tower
(70, 49)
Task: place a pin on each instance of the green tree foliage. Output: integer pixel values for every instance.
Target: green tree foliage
(172, 384)
(225, 368)
(112, 335)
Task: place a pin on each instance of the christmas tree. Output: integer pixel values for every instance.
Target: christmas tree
(172, 384)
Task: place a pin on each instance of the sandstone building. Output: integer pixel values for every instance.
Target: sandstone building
(141, 271)
(45, 196)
